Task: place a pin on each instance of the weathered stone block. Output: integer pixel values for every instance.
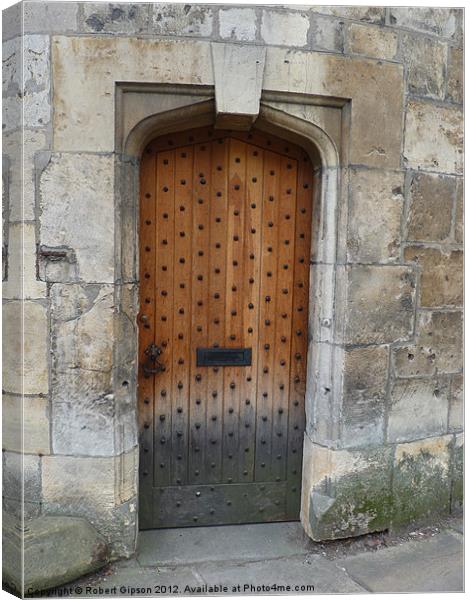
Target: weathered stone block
(345, 492)
(380, 304)
(441, 275)
(456, 417)
(238, 24)
(438, 346)
(455, 75)
(22, 282)
(71, 484)
(11, 21)
(421, 482)
(26, 427)
(441, 21)
(57, 550)
(115, 18)
(84, 119)
(50, 17)
(426, 61)
(372, 41)
(21, 474)
(237, 67)
(179, 19)
(431, 206)
(70, 187)
(27, 346)
(418, 409)
(459, 212)
(20, 150)
(374, 218)
(82, 347)
(327, 34)
(364, 390)
(457, 490)
(92, 488)
(433, 137)
(284, 28)
(368, 14)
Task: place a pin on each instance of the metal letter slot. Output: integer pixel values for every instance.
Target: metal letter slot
(223, 357)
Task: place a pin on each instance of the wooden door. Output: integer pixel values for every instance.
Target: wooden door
(225, 226)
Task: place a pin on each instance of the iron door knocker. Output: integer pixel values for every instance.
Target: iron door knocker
(152, 366)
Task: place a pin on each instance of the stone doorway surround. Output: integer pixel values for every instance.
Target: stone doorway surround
(370, 305)
(343, 112)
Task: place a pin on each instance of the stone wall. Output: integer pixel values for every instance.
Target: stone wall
(390, 449)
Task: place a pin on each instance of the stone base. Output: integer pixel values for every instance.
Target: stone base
(56, 550)
(350, 492)
(346, 492)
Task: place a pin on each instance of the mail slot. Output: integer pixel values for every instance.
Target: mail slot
(223, 357)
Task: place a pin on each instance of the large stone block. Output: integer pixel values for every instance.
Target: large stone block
(377, 306)
(345, 492)
(115, 18)
(433, 137)
(21, 477)
(237, 67)
(72, 186)
(455, 75)
(56, 550)
(426, 62)
(421, 481)
(22, 277)
(456, 414)
(375, 42)
(21, 150)
(437, 349)
(238, 24)
(83, 402)
(440, 21)
(284, 28)
(100, 489)
(367, 14)
(441, 281)
(327, 34)
(418, 409)
(374, 217)
(179, 19)
(25, 344)
(84, 119)
(364, 391)
(11, 21)
(26, 424)
(50, 17)
(430, 207)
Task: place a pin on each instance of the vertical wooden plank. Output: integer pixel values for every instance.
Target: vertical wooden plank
(251, 301)
(146, 318)
(198, 307)
(299, 344)
(234, 304)
(164, 238)
(216, 304)
(284, 295)
(182, 283)
(267, 315)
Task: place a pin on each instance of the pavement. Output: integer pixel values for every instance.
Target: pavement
(278, 558)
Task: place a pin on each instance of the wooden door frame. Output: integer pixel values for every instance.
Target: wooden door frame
(323, 386)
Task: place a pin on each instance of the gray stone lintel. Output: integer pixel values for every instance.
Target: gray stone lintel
(238, 76)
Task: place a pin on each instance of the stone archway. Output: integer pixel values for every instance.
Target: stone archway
(325, 157)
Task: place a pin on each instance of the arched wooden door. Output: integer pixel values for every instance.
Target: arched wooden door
(225, 225)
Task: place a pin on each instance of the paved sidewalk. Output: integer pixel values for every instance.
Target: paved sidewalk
(278, 558)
